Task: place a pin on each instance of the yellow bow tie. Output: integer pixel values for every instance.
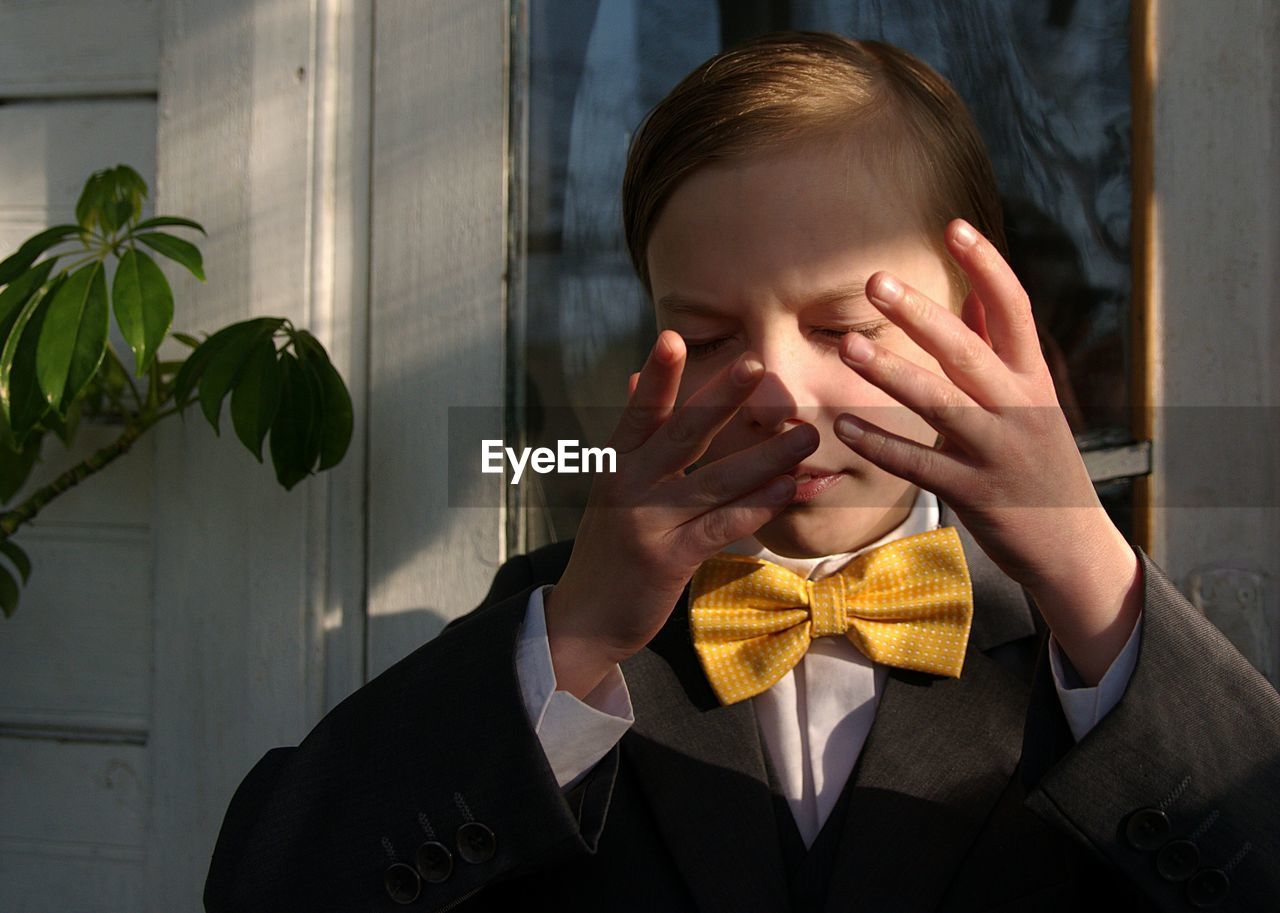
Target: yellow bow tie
(908, 603)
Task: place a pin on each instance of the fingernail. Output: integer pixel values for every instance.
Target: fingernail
(800, 442)
(666, 351)
(847, 427)
(965, 235)
(888, 290)
(747, 369)
(858, 349)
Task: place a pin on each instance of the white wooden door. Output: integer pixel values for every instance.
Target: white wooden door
(78, 83)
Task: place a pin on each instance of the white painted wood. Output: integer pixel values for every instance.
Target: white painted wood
(77, 653)
(79, 879)
(1217, 194)
(263, 137)
(438, 261)
(76, 793)
(99, 46)
(340, 307)
(48, 149)
(71, 825)
(75, 661)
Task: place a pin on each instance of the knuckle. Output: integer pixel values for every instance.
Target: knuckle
(970, 355)
(918, 307)
(915, 463)
(716, 527)
(681, 431)
(948, 408)
(632, 428)
(713, 489)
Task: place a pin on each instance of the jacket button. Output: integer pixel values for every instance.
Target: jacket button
(403, 883)
(1177, 860)
(1146, 828)
(476, 842)
(435, 862)
(1207, 888)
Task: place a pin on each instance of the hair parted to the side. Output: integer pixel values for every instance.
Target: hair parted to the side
(788, 86)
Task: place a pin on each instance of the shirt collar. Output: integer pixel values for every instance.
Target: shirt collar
(924, 516)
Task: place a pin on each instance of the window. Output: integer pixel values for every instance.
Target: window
(1049, 85)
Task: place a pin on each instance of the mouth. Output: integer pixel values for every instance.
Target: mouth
(812, 481)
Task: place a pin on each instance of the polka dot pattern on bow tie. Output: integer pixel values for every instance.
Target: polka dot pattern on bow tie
(908, 603)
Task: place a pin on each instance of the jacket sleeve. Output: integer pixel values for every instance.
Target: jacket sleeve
(1178, 787)
(437, 750)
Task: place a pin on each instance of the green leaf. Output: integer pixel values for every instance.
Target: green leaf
(294, 443)
(8, 593)
(64, 427)
(16, 333)
(32, 248)
(176, 249)
(176, 221)
(94, 194)
(27, 405)
(186, 339)
(102, 398)
(256, 396)
(19, 293)
(74, 336)
(122, 212)
(198, 361)
(111, 198)
(336, 419)
(19, 558)
(143, 305)
(16, 462)
(225, 367)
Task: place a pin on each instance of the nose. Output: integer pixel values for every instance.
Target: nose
(776, 401)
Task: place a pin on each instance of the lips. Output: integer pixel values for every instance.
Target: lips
(804, 473)
(812, 481)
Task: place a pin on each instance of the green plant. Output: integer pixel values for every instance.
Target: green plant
(58, 364)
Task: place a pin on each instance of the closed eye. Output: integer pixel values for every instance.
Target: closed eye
(869, 330)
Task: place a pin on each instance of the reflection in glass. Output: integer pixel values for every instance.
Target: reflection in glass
(1047, 81)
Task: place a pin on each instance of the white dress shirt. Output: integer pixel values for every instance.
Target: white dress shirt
(815, 719)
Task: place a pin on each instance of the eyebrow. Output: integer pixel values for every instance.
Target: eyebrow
(678, 304)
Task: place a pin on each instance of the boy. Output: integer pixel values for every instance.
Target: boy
(1004, 705)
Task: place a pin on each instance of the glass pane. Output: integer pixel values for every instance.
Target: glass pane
(1047, 81)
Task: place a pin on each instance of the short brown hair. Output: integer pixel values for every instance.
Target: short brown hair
(785, 86)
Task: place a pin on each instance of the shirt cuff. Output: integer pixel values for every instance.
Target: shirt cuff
(1085, 706)
(574, 734)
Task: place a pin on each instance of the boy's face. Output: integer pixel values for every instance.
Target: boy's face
(771, 254)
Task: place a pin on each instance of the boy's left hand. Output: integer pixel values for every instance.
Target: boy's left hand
(1007, 463)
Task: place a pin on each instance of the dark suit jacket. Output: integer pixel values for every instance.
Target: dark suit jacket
(970, 794)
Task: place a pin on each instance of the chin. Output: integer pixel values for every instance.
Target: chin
(813, 531)
(806, 533)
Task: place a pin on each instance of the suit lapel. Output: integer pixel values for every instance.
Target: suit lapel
(939, 754)
(936, 759)
(701, 766)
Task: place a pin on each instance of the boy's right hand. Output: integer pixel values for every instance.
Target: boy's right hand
(648, 526)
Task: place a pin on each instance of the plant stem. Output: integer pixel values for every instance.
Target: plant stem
(10, 520)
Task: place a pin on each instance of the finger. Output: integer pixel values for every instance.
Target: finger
(974, 314)
(1010, 322)
(947, 409)
(731, 477)
(930, 469)
(687, 434)
(653, 395)
(631, 385)
(709, 532)
(961, 353)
